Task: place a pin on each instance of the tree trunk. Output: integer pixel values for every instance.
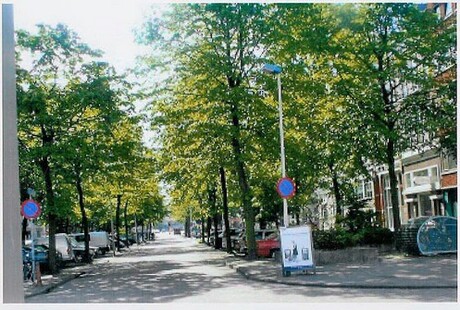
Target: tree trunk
(117, 222)
(390, 147)
(208, 228)
(393, 184)
(149, 231)
(244, 186)
(212, 196)
(215, 220)
(126, 224)
(67, 225)
(203, 230)
(187, 226)
(336, 187)
(52, 218)
(86, 257)
(223, 182)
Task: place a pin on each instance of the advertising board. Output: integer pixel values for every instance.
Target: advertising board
(296, 248)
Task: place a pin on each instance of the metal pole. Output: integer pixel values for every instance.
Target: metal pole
(32, 232)
(283, 157)
(11, 268)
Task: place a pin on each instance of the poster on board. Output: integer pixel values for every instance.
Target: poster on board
(297, 248)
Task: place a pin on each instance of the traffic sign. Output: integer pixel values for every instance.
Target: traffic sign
(285, 187)
(30, 209)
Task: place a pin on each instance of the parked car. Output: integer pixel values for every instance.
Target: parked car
(130, 241)
(101, 240)
(234, 233)
(63, 245)
(269, 246)
(41, 255)
(212, 237)
(79, 249)
(260, 234)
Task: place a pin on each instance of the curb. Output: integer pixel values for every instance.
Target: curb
(47, 289)
(249, 276)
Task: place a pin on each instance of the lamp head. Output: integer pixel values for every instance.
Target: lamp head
(270, 68)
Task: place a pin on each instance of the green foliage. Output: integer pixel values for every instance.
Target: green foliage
(333, 239)
(340, 238)
(357, 227)
(74, 114)
(377, 235)
(357, 219)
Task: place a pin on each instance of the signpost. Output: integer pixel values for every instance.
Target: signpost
(31, 209)
(296, 249)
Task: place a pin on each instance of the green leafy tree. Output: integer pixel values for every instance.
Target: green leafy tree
(213, 50)
(43, 116)
(84, 150)
(386, 60)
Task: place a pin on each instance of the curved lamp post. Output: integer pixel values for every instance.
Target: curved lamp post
(276, 70)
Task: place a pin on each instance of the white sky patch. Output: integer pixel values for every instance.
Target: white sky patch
(102, 24)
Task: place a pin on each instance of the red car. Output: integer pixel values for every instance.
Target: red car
(268, 246)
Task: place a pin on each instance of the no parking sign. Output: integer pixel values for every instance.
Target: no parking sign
(30, 209)
(285, 188)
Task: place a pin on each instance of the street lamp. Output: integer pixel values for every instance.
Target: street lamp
(274, 69)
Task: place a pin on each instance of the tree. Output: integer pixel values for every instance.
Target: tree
(84, 150)
(395, 50)
(43, 117)
(213, 63)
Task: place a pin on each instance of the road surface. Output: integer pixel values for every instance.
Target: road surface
(177, 269)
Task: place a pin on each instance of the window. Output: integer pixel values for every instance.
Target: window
(425, 205)
(359, 191)
(408, 178)
(449, 9)
(448, 163)
(368, 193)
(364, 190)
(421, 173)
(421, 177)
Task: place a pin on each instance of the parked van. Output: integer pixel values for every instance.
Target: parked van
(100, 239)
(63, 245)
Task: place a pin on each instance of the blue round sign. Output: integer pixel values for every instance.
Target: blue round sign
(285, 187)
(30, 209)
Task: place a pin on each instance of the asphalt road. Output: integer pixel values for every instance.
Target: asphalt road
(176, 269)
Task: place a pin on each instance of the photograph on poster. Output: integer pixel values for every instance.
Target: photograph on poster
(296, 247)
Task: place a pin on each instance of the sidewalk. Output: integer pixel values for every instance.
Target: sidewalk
(391, 271)
(50, 282)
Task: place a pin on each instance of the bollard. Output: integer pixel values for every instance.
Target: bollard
(38, 274)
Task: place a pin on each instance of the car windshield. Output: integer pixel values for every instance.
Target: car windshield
(74, 242)
(273, 236)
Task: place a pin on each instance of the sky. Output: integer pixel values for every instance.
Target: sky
(102, 24)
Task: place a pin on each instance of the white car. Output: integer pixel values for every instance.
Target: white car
(63, 245)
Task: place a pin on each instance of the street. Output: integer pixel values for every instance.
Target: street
(177, 269)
